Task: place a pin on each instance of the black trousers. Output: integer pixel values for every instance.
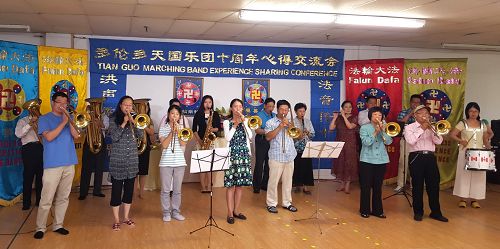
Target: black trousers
(92, 163)
(371, 177)
(423, 169)
(122, 191)
(261, 171)
(302, 171)
(32, 154)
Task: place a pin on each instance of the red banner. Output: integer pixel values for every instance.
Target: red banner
(384, 80)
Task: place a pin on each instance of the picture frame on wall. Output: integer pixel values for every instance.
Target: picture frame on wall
(254, 93)
(189, 91)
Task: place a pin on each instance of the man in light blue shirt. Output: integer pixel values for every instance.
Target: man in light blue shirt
(281, 157)
(261, 171)
(59, 158)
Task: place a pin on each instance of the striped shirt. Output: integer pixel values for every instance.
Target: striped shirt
(169, 158)
(276, 152)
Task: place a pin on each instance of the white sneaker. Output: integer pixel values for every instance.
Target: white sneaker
(398, 188)
(178, 216)
(167, 218)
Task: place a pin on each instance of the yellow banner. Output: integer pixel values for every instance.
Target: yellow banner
(64, 70)
(441, 85)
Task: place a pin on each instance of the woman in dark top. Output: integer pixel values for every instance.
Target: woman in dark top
(199, 128)
(124, 160)
(144, 157)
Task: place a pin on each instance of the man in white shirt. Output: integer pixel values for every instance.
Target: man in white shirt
(371, 101)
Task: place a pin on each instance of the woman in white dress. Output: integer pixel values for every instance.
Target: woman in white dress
(470, 133)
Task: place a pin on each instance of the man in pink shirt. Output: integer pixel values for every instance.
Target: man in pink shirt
(422, 163)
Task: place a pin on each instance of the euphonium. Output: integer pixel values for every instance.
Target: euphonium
(254, 122)
(33, 108)
(209, 136)
(392, 129)
(142, 121)
(94, 129)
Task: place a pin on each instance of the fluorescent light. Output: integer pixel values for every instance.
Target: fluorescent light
(383, 21)
(471, 46)
(286, 16)
(14, 27)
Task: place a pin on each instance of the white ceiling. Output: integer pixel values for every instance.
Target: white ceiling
(448, 21)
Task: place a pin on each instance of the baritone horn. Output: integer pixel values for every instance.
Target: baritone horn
(142, 121)
(254, 122)
(33, 108)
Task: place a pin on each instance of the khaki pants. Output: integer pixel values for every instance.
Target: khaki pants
(284, 171)
(56, 188)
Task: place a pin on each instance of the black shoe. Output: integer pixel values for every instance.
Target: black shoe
(382, 216)
(291, 208)
(272, 209)
(82, 197)
(240, 216)
(62, 231)
(417, 217)
(439, 218)
(230, 220)
(38, 235)
(26, 207)
(99, 195)
(256, 191)
(365, 215)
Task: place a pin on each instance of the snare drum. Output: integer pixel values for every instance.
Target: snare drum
(480, 159)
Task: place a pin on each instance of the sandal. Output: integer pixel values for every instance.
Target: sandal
(129, 222)
(116, 227)
(307, 192)
(462, 204)
(291, 208)
(475, 204)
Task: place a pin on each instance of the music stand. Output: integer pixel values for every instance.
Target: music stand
(210, 161)
(320, 149)
(403, 191)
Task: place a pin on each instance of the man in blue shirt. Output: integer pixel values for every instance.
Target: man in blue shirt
(261, 171)
(281, 157)
(406, 117)
(59, 158)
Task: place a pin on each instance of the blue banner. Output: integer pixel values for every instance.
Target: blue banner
(325, 99)
(214, 60)
(18, 83)
(110, 86)
(255, 92)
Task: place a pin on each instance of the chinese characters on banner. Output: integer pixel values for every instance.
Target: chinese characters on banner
(441, 85)
(384, 80)
(189, 91)
(255, 92)
(110, 86)
(213, 60)
(18, 83)
(325, 99)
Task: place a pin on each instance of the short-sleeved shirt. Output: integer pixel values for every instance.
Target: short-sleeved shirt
(403, 114)
(60, 151)
(265, 117)
(276, 152)
(169, 158)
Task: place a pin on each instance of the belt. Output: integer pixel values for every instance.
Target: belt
(424, 152)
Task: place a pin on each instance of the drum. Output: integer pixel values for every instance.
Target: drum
(480, 159)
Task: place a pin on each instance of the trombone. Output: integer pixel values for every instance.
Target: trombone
(292, 132)
(442, 127)
(81, 120)
(392, 129)
(184, 135)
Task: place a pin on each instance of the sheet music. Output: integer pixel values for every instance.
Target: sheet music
(322, 149)
(201, 160)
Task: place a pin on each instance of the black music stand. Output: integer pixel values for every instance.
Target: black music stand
(210, 161)
(320, 149)
(404, 190)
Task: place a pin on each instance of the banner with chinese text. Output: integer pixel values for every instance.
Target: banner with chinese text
(383, 79)
(325, 99)
(255, 92)
(189, 91)
(64, 70)
(18, 84)
(441, 85)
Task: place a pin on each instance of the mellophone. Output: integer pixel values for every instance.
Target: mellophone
(480, 160)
